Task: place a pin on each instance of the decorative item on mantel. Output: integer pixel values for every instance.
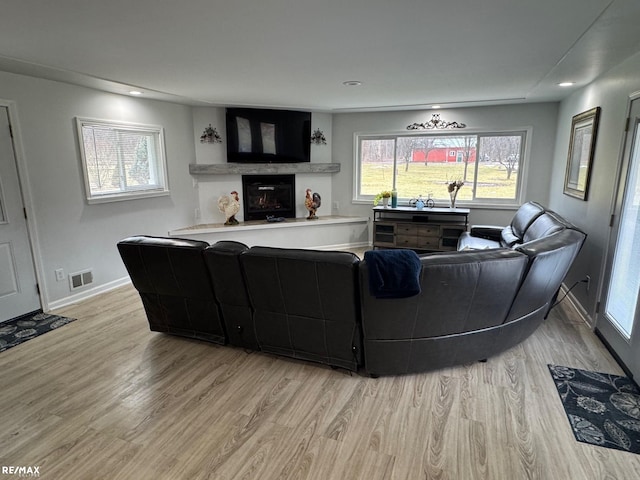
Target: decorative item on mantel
(318, 138)
(210, 135)
(453, 188)
(435, 123)
(230, 206)
(312, 203)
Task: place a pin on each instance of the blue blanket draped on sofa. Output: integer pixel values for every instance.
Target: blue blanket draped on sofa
(393, 273)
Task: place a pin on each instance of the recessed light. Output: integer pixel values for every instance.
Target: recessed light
(435, 106)
(135, 92)
(566, 84)
(352, 83)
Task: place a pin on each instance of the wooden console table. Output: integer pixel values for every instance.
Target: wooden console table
(429, 229)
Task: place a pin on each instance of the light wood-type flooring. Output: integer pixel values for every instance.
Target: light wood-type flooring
(105, 398)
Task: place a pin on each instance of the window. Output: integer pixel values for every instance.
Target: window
(121, 161)
(489, 163)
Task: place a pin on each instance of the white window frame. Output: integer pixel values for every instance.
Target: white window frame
(523, 166)
(161, 185)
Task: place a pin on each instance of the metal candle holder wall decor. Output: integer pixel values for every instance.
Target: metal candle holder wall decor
(318, 138)
(210, 135)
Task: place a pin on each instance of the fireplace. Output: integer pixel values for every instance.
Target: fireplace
(268, 195)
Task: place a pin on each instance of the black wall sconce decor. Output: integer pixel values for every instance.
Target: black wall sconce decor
(210, 135)
(318, 138)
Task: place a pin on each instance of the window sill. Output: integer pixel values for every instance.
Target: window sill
(121, 197)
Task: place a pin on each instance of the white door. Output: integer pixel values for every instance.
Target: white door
(18, 290)
(620, 320)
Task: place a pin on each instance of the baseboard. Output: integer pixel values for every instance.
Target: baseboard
(577, 306)
(92, 292)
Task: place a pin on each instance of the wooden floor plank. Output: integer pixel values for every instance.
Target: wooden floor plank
(103, 397)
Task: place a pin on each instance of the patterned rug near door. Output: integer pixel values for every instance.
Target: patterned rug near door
(19, 330)
(602, 409)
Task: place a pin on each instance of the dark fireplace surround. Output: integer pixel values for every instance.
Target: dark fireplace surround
(268, 195)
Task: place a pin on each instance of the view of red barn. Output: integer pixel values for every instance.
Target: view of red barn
(444, 155)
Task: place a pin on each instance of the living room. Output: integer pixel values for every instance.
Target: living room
(71, 235)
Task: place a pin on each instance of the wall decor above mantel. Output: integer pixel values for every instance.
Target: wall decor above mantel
(210, 135)
(318, 138)
(261, 168)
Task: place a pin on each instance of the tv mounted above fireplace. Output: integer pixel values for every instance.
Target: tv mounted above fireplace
(268, 136)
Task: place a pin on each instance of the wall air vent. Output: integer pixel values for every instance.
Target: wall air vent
(80, 279)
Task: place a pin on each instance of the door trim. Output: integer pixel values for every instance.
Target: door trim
(27, 200)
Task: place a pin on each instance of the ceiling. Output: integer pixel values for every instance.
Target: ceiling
(408, 54)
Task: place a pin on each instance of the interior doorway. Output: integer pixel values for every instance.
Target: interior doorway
(19, 293)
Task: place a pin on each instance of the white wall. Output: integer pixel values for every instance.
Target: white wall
(541, 117)
(72, 234)
(211, 187)
(611, 92)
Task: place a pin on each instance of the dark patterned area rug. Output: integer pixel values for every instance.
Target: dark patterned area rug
(602, 409)
(19, 330)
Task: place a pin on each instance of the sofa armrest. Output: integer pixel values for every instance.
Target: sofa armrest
(490, 232)
(550, 258)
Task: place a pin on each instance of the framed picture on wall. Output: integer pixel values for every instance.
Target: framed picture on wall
(582, 145)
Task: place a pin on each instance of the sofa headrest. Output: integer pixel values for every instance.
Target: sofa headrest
(546, 224)
(562, 220)
(524, 217)
(228, 247)
(564, 238)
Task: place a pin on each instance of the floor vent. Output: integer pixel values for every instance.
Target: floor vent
(80, 279)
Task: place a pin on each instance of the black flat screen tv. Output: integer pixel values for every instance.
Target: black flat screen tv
(268, 136)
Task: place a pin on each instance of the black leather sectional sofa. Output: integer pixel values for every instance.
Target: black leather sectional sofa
(316, 305)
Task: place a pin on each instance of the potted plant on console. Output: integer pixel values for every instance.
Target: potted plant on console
(385, 195)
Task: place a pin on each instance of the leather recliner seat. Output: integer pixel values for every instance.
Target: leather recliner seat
(174, 285)
(305, 303)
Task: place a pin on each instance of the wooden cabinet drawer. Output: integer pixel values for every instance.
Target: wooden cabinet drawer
(429, 242)
(429, 230)
(406, 241)
(406, 229)
(384, 240)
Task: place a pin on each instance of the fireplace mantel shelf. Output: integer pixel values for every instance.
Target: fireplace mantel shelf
(261, 168)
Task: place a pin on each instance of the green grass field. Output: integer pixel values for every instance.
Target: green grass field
(423, 179)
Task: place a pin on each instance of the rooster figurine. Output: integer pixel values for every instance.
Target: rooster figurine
(312, 203)
(230, 206)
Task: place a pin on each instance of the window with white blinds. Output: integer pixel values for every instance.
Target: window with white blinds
(121, 161)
